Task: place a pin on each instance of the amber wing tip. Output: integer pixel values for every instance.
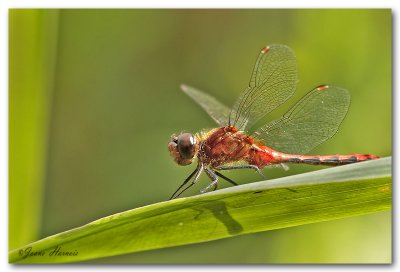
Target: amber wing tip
(322, 87)
(265, 49)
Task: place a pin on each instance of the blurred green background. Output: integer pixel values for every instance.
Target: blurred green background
(94, 98)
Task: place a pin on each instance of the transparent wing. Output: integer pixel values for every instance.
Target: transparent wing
(273, 81)
(313, 120)
(217, 111)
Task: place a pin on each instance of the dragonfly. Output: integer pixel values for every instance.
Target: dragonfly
(314, 119)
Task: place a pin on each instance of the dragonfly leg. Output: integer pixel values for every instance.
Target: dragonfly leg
(226, 178)
(215, 187)
(285, 166)
(246, 166)
(214, 180)
(196, 173)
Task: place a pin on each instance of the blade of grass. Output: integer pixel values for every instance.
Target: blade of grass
(32, 43)
(327, 194)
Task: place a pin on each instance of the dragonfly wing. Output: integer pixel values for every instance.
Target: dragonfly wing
(272, 82)
(217, 111)
(313, 120)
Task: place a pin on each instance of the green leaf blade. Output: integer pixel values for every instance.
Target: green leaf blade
(322, 195)
(33, 36)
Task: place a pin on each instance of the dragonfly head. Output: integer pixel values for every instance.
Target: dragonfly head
(183, 148)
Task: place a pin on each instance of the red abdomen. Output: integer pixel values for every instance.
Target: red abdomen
(265, 156)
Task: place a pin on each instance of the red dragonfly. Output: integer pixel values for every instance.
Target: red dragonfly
(313, 120)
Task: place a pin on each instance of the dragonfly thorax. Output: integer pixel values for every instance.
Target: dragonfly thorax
(183, 148)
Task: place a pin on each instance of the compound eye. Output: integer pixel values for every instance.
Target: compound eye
(187, 145)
